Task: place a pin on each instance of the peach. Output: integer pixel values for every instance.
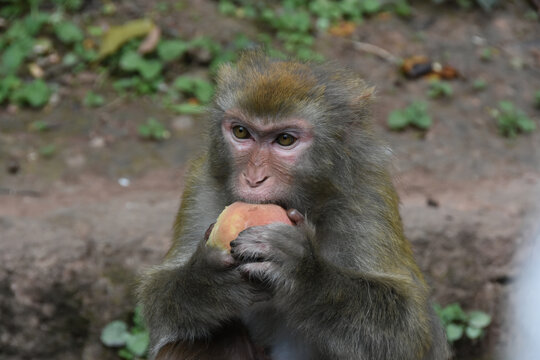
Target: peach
(239, 216)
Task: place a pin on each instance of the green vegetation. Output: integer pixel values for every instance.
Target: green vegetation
(466, 4)
(414, 115)
(47, 151)
(294, 22)
(512, 121)
(487, 54)
(479, 85)
(153, 130)
(438, 89)
(34, 39)
(93, 100)
(458, 323)
(537, 99)
(132, 341)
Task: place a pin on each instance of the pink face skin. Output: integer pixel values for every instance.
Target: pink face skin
(263, 164)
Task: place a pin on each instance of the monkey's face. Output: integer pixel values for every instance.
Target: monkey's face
(264, 155)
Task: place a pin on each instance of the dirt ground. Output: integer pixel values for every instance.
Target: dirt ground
(73, 236)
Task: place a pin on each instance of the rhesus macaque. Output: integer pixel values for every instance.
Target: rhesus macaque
(340, 283)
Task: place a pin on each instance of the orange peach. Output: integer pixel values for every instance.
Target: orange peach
(239, 216)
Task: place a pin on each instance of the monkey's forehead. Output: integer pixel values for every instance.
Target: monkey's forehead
(278, 88)
(265, 87)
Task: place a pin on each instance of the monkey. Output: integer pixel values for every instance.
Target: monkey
(341, 283)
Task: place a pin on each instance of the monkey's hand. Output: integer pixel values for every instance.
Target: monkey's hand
(272, 253)
(190, 299)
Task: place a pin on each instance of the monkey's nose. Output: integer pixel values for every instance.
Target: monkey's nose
(253, 181)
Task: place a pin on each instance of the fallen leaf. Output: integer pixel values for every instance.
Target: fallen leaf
(151, 41)
(116, 36)
(36, 71)
(345, 28)
(416, 66)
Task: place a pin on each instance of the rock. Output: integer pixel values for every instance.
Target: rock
(65, 274)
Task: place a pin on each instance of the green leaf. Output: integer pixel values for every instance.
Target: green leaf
(68, 32)
(479, 84)
(39, 126)
(201, 89)
(188, 109)
(169, 50)
(115, 334)
(204, 91)
(454, 332)
(423, 122)
(36, 93)
(397, 120)
(138, 343)
(525, 124)
(137, 316)
(453, 312)
(12, 58)
(371, 6)
(473, 332)
(47, 151)
(479, 319)
(184, 83)
(227, 8)
(8, 85)
(34, 22)
(402, 8)
(95, 31)
(130, 61)
(126, 354)
(149, 69)
(507, 106)
(70, 59)
(153, 130)
(93, 100)
(487, 4)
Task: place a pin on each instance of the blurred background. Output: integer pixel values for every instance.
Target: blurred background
(102, 105)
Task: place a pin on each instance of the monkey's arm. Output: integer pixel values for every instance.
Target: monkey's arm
(197, 289)
(347, 314)
(191, 301)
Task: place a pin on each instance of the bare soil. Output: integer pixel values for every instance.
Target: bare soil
(72, 239)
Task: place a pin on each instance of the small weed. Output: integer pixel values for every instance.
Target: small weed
(537, 99)
(93, 100)
(169, 50)
(479, 85)
(35, 94)
(39, 126)
(47, 151)
(466, 4)
(192, 86)
(414, 115)
(153, 130)
(457, 322)
(188, 109)
(438, 89)
(511, 120)
(487, 54)
(133, 342)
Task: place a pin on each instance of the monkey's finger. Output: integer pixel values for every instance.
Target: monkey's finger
(260, 271)
(295, 216)
(220, 258)
(208, 231)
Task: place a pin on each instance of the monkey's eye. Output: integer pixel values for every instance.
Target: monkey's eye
(285, 139)
(240, 132)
